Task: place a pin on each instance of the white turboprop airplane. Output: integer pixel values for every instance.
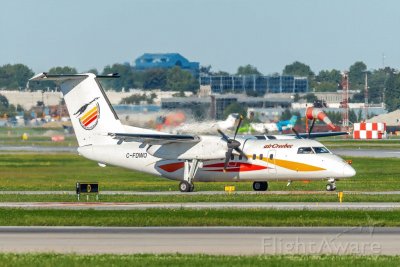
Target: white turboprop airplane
(188, 158)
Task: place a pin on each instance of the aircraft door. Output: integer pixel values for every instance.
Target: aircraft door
(271, 161)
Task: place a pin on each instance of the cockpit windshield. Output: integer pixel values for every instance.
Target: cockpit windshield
(321, 150)
(312, 150)
(305, 150)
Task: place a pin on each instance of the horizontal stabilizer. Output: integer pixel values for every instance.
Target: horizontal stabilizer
(156, 139)
(44, 76)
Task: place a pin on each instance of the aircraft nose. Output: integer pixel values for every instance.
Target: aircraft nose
(348, 171)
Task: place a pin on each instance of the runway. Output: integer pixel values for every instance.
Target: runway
(383, 206)
(374, 153)
(206, 240)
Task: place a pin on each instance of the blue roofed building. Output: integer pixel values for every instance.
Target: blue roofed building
(166, 61)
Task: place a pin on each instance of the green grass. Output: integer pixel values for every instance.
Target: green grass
(70, 260)
(61, 172)
(313, 198)
(193, 217)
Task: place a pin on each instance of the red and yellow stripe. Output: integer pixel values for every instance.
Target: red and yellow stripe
(89, 116)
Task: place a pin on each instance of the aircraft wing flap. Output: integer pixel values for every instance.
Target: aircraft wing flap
(156, 139)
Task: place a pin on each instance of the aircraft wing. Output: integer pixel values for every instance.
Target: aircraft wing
(321, 134)
(156, 139)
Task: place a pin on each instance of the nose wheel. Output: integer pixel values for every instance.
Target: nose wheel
(260, 186)
(331, 186)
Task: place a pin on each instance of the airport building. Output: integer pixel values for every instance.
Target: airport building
(166, 61)
(216, 104)
(255, 83)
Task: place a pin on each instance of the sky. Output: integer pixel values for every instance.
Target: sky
(225, 34)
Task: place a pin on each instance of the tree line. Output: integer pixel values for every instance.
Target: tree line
(383, 84)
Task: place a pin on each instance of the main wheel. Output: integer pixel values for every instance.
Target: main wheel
(184, 186)
(260, 186)
(191, 189)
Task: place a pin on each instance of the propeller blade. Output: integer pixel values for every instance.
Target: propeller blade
(224, 136)
(312, 126)
(238, 126)
(241, 152)
(296, 133)
(228, 155)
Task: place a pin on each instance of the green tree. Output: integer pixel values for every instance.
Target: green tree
(327, 81)
(357, 75)
(392, 91)
(235, 107)
(247, 70)
(63, 70)
(181, 80)
(14, 76)
(310, 98)
(126, 79)
(133, 99)
(298, 69)
(155, 79)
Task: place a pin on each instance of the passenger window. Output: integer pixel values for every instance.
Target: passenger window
(240, 157)
(232, 157)
(271, 156)
(261, 156)
(305, 150)
(254, 156)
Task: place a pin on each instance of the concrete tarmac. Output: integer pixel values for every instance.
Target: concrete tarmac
(362, 152)
(207, 240)
(383, 206)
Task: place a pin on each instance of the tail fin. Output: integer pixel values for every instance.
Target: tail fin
(91, 113)
(293, 120)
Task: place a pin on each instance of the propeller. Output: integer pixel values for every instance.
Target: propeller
(311, 128)
(296, 133)
(232, 144)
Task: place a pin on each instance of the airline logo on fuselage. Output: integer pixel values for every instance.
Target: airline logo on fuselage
(278, 146)
(89, 114)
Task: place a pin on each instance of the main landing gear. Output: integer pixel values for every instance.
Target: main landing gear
(184, 186)
(189, 172)
(331, 185)
(260, 186)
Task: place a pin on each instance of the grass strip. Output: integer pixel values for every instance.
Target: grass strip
(193, 217)
(312, 198)
(70, 260)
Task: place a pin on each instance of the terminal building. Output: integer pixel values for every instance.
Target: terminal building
(166, 61)
(260, 85)
(216, 104)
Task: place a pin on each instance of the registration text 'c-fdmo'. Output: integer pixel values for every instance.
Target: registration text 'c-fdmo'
(136, 155)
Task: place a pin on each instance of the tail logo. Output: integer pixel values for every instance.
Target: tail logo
(89, 119)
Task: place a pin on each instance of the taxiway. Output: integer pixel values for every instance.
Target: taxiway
(207, 240)
(385, 206)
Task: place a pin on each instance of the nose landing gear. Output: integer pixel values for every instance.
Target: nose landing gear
(331, 185)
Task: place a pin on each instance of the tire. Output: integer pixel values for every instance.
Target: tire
(260, 186)
(191, 189)
(330, 187)
(184, 186)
